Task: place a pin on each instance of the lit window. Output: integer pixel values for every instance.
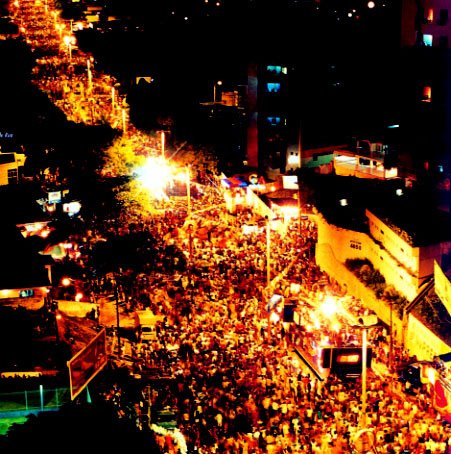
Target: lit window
(430, 15)
(348, 358)
(12, 176)
(274, 120)
(427, 40)
(275, 69)
(272, 87)
(426, 94)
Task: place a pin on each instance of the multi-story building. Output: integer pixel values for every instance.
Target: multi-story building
(10, 164)
(425, 93)
(269, 125)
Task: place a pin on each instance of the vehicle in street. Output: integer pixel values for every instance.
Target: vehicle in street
(147, 325)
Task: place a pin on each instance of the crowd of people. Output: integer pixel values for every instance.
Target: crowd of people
(225, 362)
(234, 382)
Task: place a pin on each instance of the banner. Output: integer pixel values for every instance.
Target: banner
(87, 363)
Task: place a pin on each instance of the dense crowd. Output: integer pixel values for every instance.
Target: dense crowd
(235, 383)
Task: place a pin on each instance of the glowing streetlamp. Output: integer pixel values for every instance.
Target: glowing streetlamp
(218, 83)
(70, 41)
(66, 282)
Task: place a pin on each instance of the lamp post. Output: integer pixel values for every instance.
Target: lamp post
(364, 375)
(162, 144)
(124, 120)
(390, 353)
(268, 272)
(118, 318)
(188, 190)
(69, 40)
(268, 254)
(299, 211)
(218, 83)
(365, 323)
(88, 65)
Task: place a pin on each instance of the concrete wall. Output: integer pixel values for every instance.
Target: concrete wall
(417, 338)
(348, 244)
(418, 261)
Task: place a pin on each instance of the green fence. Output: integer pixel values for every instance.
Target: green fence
(30, 401)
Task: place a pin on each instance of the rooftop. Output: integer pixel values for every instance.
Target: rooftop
(343, 201)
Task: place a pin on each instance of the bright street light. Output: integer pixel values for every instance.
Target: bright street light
(70, 41)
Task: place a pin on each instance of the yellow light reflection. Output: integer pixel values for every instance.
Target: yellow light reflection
(432, 375)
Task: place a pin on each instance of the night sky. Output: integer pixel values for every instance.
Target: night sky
(343, 54)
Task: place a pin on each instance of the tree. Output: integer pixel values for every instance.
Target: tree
(78, 428)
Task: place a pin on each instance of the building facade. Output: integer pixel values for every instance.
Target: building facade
(425, 74)
(404, 266)
(10, 163)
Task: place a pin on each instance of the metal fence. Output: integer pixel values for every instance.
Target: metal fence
(31, 401)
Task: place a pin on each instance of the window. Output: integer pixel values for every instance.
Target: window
(26, 293)
(443, 42)
(443, 18)
(430, 16)
(274, 120)
(426, 97)
(12, 176)
(273, 87)
(427, 40)
(274, 69)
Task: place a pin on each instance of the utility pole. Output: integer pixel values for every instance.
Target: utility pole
(390, 358)
(118, 318)
(268, 253)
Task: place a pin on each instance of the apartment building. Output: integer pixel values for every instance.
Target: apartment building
(425, 93)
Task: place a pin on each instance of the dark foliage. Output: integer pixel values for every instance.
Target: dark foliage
(77, 428)
(30, 337)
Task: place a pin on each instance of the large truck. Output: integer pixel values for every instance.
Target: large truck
(147, 325)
